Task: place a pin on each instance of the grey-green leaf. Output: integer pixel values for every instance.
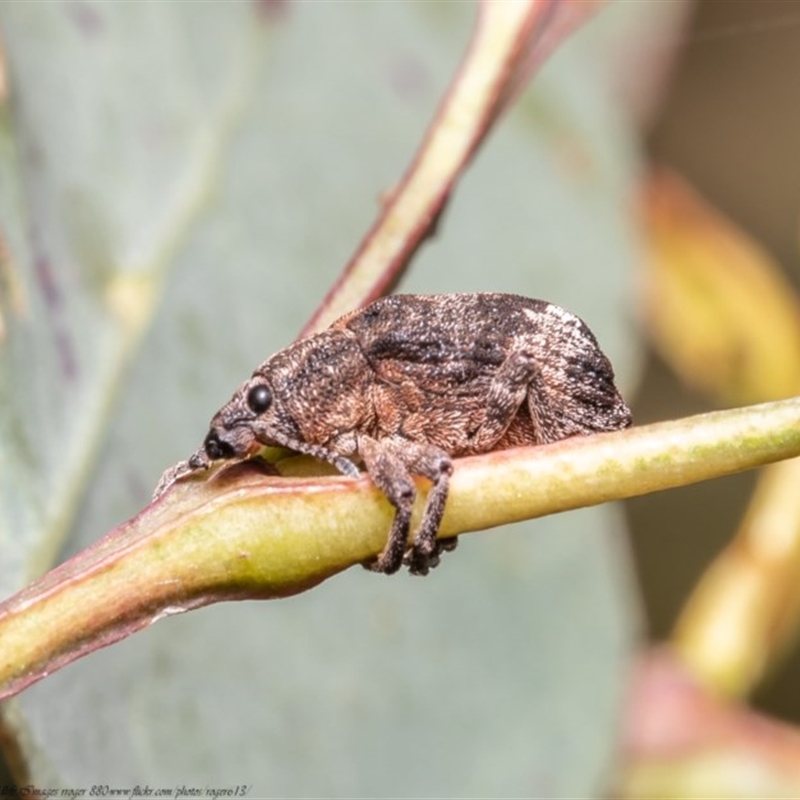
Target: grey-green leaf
(500, 674)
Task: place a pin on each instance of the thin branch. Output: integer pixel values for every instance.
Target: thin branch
(509, 41)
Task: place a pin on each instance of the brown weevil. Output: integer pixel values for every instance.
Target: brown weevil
(411, 381)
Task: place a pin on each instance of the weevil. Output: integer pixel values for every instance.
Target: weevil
(409, 382)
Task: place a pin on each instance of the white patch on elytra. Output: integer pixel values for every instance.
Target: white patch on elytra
(563, 335)
(570, 326)
(561, 314)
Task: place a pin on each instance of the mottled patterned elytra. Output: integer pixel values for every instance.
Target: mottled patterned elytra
(411, 381)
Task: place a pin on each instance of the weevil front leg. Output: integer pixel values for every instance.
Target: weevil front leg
(197, 462)
(391, 463)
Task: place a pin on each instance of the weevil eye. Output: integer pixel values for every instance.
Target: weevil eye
(259, 399)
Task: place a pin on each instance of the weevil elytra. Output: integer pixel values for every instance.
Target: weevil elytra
(411, 381)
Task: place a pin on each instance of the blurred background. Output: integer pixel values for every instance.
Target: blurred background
(730, 124)
(205, 144)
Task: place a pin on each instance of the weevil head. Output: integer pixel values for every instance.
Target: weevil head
(256, 416)
(238, 430)
(305, 398)
(243, 425)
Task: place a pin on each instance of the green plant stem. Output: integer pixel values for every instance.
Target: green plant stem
(243, 534)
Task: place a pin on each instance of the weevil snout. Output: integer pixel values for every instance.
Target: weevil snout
(217, 448)
(230, 437)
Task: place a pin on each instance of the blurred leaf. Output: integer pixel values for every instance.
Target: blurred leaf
(102, 167)
(745, 610)
(725, 318)
(717, 307)
(683, 742)
(476, 681)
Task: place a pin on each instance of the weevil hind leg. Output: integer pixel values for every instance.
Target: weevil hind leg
(390, 463)
(507, 392)
(519, 382)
